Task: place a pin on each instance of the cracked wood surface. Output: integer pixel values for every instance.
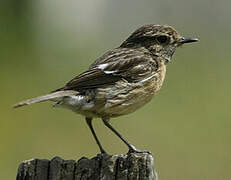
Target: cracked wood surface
(132, 166)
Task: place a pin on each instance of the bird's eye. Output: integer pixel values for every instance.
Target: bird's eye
(162, 39)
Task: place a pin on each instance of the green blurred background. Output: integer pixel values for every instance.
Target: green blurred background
(187, 127)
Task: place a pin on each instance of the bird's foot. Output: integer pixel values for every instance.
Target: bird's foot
(103, 152)
(132, 149)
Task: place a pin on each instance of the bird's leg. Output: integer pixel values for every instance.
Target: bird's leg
(89, 123)
(130, 146)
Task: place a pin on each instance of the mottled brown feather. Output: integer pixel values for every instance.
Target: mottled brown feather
(123, 63)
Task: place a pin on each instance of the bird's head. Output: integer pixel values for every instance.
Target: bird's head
(160, 40)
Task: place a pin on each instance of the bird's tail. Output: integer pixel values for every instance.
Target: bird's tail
(51, 96)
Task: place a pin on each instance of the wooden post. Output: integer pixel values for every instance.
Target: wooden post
(132, 166)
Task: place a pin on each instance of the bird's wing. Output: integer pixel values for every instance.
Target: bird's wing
(113, 66)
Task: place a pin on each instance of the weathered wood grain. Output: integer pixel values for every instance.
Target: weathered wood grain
(132, 166)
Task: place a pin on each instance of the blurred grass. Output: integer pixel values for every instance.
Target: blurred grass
(186, 126)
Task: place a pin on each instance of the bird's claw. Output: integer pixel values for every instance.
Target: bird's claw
(132, 149)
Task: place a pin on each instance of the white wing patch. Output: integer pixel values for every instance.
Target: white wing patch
(148, 78)
(103, 67)
(109, 72)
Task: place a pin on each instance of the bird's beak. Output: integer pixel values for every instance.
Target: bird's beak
(184, 40)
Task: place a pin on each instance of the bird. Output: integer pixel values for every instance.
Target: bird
(120, 81)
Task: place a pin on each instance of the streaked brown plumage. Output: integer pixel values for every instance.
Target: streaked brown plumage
(122, 80)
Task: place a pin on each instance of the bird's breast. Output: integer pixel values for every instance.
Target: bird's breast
(124, 97)
(158, 78)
